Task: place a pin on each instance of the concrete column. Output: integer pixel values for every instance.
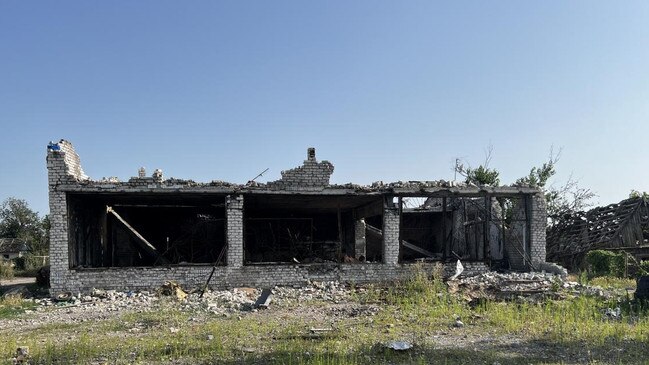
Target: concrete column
(391, 227)
(234, 230)
(360, 242)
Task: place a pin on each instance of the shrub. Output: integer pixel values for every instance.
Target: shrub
(30, 262)
(6, 270)
(605, 263)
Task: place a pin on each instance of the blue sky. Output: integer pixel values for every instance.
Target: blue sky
(384, 90)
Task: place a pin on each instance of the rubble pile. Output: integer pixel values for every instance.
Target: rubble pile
(328, 291)
(222, 302)
(532, 286)
(102, 300)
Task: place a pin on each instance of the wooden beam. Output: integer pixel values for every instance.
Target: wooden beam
(146, 245)
(418, 249)
(406, 244)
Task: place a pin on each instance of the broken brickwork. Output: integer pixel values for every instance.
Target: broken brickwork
(312, 175)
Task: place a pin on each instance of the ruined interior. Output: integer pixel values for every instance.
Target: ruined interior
(305, 228)
(467, 228)
(110, 230)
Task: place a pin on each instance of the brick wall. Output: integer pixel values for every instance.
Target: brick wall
(538, 223)
(312, 175)
(391, 227)
(234, 230)
(64, 167)
(254, 276)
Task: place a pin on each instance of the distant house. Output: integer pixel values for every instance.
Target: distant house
(11, 248)
(620, 226)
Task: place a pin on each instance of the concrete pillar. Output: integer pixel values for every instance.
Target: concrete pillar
(360, 242)
(391, 227)
(234, 230)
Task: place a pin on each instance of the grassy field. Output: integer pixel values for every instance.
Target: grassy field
(419, 311)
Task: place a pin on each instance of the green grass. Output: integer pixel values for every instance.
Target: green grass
(12, 307)
(419, 310)
(612, 282)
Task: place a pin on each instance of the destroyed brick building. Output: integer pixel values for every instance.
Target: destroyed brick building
(138, 233)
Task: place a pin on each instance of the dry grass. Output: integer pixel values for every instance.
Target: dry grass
(419, 310)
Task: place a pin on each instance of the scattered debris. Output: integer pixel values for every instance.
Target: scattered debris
(613, 314)
(20, 291)
(532, 286)
(63, 297)
(22, 355)
(172, 288)
(458, 270)
(458, 323)
(264, 299)
(399, 345)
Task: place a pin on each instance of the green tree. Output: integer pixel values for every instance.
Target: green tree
(17, 220)
(637, 194)
(481, 175)
(560, 200)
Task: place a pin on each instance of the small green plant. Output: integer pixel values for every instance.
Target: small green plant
(556, 284)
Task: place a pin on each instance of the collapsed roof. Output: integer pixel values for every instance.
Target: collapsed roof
(620, 225)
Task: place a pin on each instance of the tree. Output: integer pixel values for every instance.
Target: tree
(17, 220)
(539, 176)
(637, 194)
(481, 175)
(560, 201)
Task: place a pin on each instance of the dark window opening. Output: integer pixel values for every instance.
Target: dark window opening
(303, 229)
(108, 230)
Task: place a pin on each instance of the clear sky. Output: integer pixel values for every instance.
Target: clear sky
(385, 90)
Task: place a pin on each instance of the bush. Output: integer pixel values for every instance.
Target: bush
(605, 263)
(6, 270)
(30, 262)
